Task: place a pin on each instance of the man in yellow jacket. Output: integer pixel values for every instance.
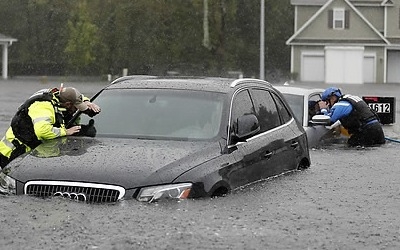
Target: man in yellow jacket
(42, 117)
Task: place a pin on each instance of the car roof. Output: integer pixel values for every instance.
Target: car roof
(215, 84)
(298, 90)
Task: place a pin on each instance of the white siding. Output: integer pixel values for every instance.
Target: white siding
(344, 65)
(369, 69)
(312, 69)
(393, 67)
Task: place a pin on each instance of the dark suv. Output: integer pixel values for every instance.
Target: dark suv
(167, 138)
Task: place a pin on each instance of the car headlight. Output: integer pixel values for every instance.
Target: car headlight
(7, 184)
(172, 191)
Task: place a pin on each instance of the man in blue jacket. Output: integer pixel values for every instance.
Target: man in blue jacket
(354, 115)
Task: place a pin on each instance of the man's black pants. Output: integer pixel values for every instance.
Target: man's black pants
(3, 161)
(370, 135)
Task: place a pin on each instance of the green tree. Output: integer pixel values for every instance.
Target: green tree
(36, 25)
(147, 37)
(82, 42)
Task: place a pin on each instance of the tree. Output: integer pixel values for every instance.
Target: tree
(82, 42)
(147, 37)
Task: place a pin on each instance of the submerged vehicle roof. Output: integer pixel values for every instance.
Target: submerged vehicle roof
(215, 84)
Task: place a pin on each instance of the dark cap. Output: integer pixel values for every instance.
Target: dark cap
(72, 95)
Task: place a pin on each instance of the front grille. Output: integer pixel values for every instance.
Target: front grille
(87, 192)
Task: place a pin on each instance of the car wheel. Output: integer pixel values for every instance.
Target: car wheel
(304, 164)
(221, 191)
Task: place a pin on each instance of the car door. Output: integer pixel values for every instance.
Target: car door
(277, 140)
(315, 132)
(252, 153)
(243, 170)
(296, 140)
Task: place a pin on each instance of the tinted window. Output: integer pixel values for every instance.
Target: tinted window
(266, 111)
(296, 103)
(241, 105)
(156, 113)
(283, 111)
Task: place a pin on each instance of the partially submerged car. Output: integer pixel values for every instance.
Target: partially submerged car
(303, 101)
(166, 138)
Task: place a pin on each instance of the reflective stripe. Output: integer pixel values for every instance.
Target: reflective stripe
(344, 104)
(353, 97)
(57, 131)
(59, 109)
(8, 143)
(47, 119)
(371, 122)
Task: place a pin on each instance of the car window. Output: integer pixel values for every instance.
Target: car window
(296, 103)
(315, 97)
(241, 105)
(313, 107)
(155, 113)
(283, 111)
(266, 110)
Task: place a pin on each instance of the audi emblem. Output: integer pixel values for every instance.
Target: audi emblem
(72, 196)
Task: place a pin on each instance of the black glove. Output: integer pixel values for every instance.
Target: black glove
(87, 130)
(90, 112)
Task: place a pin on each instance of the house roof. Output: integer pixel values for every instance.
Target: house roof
(294, 37)
(387, 2)
(6, 39)
(308, 2)
(355, 2)
(343, 41)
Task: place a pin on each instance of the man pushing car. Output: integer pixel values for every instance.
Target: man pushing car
(354, 115)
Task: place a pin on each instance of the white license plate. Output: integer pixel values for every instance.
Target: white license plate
(380, 107)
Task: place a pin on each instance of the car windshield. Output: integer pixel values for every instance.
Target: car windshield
(296, 103)
(158, 114)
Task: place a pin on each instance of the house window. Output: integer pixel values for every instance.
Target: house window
(338, 18)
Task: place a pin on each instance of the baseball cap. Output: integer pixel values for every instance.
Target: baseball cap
(69, 94)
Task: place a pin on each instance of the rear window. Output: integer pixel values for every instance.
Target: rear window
(296, 103)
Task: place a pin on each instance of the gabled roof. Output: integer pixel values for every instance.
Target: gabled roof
(308, 2)
(6, 39)
(323, 8)
(355, 2)
(387, 3)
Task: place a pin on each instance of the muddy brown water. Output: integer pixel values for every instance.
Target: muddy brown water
(348, 199)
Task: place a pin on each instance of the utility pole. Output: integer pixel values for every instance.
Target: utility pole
(262, 40)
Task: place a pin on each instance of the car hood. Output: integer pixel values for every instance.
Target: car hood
(129, 163)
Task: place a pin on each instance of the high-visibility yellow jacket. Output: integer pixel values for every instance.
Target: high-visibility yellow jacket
(47, 123)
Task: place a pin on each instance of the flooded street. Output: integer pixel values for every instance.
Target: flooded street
(348, 199)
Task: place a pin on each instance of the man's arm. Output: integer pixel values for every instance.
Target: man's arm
(339, 110)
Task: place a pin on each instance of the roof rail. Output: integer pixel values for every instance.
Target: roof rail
(123, 78)
(244, 80)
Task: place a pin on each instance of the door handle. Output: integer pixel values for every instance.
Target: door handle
(294, 144)
(268, 154)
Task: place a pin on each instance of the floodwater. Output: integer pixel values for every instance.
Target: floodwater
(348, 199)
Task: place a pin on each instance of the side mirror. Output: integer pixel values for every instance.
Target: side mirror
(321, 120)
(247, 125)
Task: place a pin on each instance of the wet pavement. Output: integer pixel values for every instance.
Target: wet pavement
(348, 199)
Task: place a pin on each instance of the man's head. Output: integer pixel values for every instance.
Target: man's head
(331, 95)
(313, 108)
(72, 99)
